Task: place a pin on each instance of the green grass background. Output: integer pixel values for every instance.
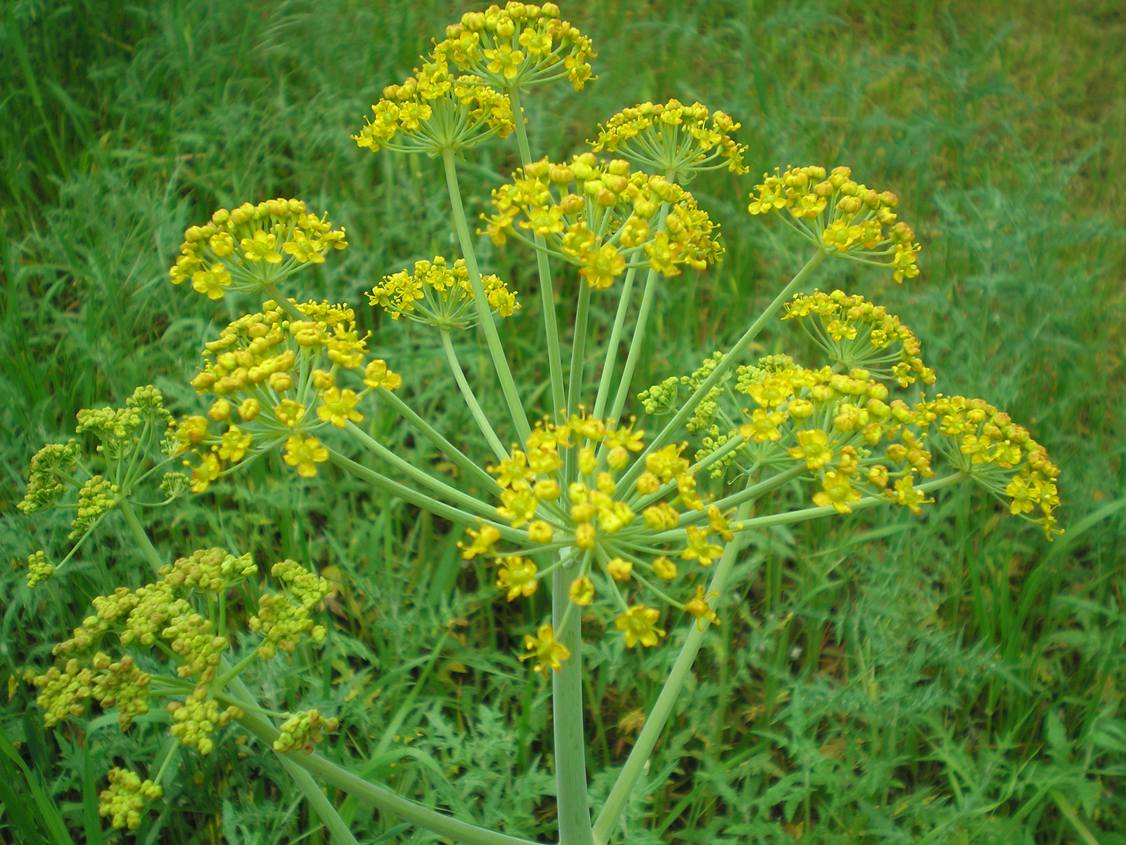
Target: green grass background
(957, 680)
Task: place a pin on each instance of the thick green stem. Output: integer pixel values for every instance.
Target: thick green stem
(462, 499)
(721, 369)
(543, 265)
(613, 343)
(484, 313)
(567, 717)
(380, 797)
(321, 806)
(631, 772)
(456, 456)
(470, 399)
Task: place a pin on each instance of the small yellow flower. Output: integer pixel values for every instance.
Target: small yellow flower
(339, 406)
(639, 625)
(547, 651)
(261, 248)
(619, 569)
(582, 591)
(377, 375)
(305, 453)
(517, 576)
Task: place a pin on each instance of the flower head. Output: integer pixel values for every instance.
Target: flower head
(253, 247)
(841, 216)
(673, 138)
(433, 111)
(440, 295)
(273, 381)
(546, 651)
(998, 454)
(518, 45)
(858, 333)
(604, 219)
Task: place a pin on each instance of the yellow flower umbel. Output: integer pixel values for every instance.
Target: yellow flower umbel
(840, 216)
(998, 454)
(601, 217)
(857, 333)
(674, 139)
(614, 537)
(440, 295)
(518, 46)
(253, 247)
(273, 381)
(433, 111)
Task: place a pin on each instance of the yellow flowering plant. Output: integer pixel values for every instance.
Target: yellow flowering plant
(627, 506)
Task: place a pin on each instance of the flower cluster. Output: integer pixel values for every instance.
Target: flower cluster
(253, 247)
(125, 798)
(303, 731)
(126, 445)
(518, 46)
(999, 454)
(841, 216)
(433, 111)
(857, 333)
(163, 618)
(39, 569)
(273, 379)
(440, 295)
(673, 138)
(598, 215)
(561, 490)
(285, 619)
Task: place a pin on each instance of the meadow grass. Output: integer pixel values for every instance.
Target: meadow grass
(877, 679)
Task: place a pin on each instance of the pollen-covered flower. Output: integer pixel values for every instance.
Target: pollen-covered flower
(545, 651)
(254, 247)
(433, 111)
(273, 381)
(857, 333)
(673, 138)
(639, 626)
(841, 216)
(440, 295)
(605, 219)
(998, 454)
(518, 46)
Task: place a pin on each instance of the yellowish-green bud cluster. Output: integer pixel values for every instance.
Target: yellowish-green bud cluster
(439, 294)
(273, 381)
(50, 475)
(119, 430)
(283, 619)
(196, 719)
(841, 216)
(39, 569)
(999, 454)
(604, 218)
(96, 496)
(304, 731)
(673, 138)
(253, 247)
(857, 333)
(517, 46)
(433, 111)
(125, 798)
